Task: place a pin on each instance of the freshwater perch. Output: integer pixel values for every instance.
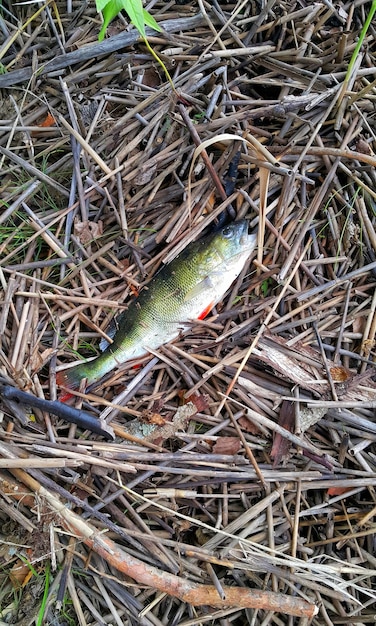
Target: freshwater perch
(183, 291)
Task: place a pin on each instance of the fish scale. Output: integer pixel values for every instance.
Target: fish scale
(181, 292)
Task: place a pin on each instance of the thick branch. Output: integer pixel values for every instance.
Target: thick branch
(166, 582)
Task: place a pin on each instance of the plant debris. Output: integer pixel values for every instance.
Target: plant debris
(240, 486)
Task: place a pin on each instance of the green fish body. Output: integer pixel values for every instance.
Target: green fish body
(182, 291)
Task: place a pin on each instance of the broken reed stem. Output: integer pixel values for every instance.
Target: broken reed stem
(86, 146)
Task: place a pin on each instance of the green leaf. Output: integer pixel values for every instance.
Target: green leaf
(135, 12)
(112, 8)
(265, 287)
(150, 21)
(100, 4)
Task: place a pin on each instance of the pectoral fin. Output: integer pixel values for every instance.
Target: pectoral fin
(199, 288)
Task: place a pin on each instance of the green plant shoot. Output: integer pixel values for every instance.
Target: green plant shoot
(135, 11)
(139, 17)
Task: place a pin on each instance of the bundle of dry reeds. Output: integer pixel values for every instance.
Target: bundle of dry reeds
(240, 488)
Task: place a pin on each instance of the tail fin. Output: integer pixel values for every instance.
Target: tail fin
(71, 378)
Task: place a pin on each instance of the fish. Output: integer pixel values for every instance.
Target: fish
(181, 292)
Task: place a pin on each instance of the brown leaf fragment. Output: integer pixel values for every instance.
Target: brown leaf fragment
(227, 445)
(154, 433)
(281, 445)
(49, 120)
(360, 387)
(340, 374)
(248, 426)
(88, 231)
(39, 359)
(358, 324)
(149, 417)
(146, 172)
(123, 264)
(337, 491)
(201, 401)
(363, 147)
(20, 574)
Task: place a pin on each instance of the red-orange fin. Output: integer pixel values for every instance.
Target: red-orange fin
(206, 311)
(71, 379)
(65, 397)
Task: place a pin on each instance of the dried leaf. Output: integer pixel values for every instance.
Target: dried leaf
(337, 491)
(227, 445)
(358, 324)
(248, 426)
(145, 173)
(39, 359)
(88, 231)
(149, 417)
(281, 445)
(48, 121)
(340, 374)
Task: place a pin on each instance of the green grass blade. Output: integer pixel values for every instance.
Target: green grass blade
(45, 596)
(359, 44)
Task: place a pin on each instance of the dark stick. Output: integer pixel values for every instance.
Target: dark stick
(67, 413)
(98, 49)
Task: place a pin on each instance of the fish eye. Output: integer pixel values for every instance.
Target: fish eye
(227, 232)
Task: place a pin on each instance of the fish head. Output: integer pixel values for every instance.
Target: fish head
(224, 252)
(231, 244)
(217, 261)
